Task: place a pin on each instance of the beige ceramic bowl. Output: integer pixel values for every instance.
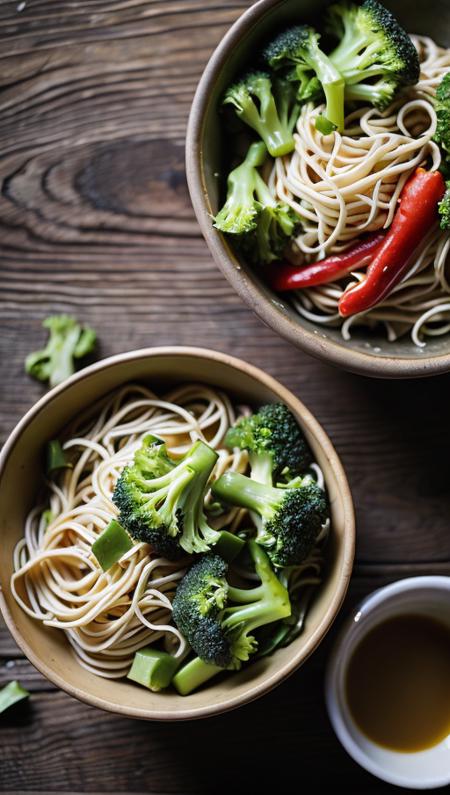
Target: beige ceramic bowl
(20, 480)
(206, 159)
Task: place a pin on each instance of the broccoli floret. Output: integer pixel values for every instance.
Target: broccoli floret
(254, 103)
(288, 520)
(444, 209)
(274, 441)
(261, 224)
(442, 106)
(277, 224)
(218, 619)
(375, 55)
(380, 94)
(161, 500)
(239, 214)
(68, 340)
(199, 598)
(297, 52)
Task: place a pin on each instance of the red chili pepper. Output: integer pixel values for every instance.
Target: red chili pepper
(288, 277)
(416, 214)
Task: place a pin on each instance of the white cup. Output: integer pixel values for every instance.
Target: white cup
(427, 769)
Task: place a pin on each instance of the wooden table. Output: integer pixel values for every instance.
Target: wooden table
(96, 220)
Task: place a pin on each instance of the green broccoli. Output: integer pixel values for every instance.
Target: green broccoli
(274, 441)
(261, 224)
(375, 55)
(218, 619)
(296, 51)
(273, 118)
(161, 500)
(288, 519)
(442, 134)
(444, 209)
(68, 340)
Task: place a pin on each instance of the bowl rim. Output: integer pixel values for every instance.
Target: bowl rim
(348, 541)
(245, 284)
(347, 639)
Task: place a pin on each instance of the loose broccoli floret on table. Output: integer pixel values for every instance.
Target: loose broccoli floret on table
(68, 340)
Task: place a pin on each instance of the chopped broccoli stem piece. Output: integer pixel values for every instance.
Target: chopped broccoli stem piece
(68, 341)
(288, 520)
(47, 517)
(228, 545)
(218, 619)
(254, 103)
(324, 126)
(274, 442)
(153, 669)
(56, 458)
(10, 694)
(297, 52)
(193, 675)
(112, 543)
(161, 501)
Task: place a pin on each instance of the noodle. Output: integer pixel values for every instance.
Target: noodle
(345, 185)
(108, 615)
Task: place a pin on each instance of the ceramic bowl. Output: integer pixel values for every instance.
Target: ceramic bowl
(429, 596)
(206, 165)
(21, 479)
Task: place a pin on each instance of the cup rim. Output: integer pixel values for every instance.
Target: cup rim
(347, 638)
(245, 284)
(348, 544)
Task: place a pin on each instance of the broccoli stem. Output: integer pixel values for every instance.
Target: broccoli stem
(261, 465)
(62, 351)
(238, 214)
(348, 48)
(334, 95)
(256, 155)
(263, 193)
(194, 674)
(277, 137)
(201, 460)
(228, 545)
(363, 92)
(56, 458)
(245, 492)
(333, 85)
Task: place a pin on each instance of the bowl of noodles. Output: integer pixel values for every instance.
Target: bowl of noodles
(308, 181)
(93, 606)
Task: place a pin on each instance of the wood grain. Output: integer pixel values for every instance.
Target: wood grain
(113, 754)
(95, 220)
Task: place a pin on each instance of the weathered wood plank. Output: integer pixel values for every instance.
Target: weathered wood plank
(95, 219)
